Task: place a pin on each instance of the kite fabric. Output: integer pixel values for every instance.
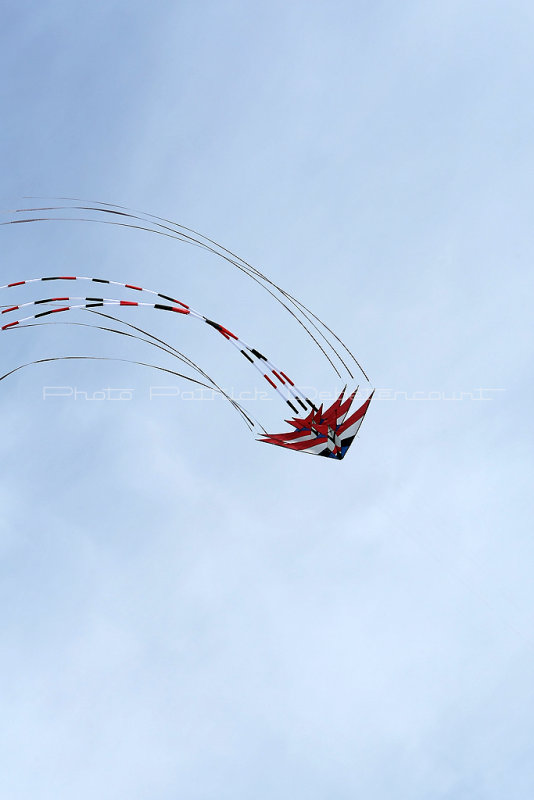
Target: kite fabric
(320, 431)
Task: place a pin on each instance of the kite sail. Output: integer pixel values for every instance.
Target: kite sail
(329, 432)
(315, 430)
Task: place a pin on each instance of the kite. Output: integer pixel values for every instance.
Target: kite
(329, 432)
(325, 431)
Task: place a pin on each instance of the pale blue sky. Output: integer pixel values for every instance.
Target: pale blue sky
(186, 613)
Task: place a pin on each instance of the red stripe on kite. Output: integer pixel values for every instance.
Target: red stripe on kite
(9, 325)
(227, 333)
(7, 310)
(128, 303)
(270, 381)
(355, 417)
(283, 374)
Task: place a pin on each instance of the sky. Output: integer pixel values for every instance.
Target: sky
(186, 613)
